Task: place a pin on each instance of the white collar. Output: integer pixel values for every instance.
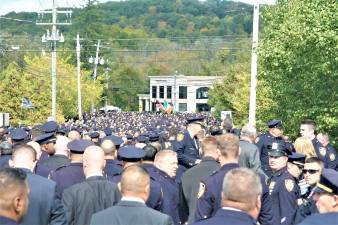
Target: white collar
(134, 199)
(94, 175)
(232, 209)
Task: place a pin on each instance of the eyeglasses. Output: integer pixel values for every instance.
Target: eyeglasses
(310, 171)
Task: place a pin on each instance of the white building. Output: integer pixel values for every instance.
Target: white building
(186, 93)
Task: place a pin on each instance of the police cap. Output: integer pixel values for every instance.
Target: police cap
(50, 127)
(45, 138)
(108, 131)
(196, 120)
(18, 134)
(275, 124)
(115, 139)
(154, 136)
(94, 135)
(79, 146)
(328, 182)
(278, 149)
(297, 158)
(131, 154)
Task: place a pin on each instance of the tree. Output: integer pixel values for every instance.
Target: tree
(298, 60)
(30, 78)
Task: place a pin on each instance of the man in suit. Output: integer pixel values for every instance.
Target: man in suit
(44, 204)
(239, 206)
(96, 193)
(131, 210)
(193, 176)
(13, 203)
(249, 154)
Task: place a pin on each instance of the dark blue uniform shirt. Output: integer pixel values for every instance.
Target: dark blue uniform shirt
(187, 150)
(112, 168)
(209, 196)
(284, 193)
(170, 195)
(4, 161)
(67, 176)
(321, 219)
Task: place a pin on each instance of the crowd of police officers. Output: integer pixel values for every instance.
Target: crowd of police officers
(144, 168)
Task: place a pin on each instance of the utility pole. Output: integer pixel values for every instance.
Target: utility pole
(53, 37)
(96, 61)
(78, 48)
(253, 82)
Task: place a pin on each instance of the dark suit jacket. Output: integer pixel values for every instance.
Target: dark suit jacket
(82, 200)
(130, 213)
(228, 217)
(44, 204)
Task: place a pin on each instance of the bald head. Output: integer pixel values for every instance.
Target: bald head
(74, 135)
(36, 147)
(135, 182)
(24, 156)
(108, 147)
(61, 145)
(93, 161)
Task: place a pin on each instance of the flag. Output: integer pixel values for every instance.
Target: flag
(26, 103)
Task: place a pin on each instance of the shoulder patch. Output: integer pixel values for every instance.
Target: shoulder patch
(180, 137)
(322, 151)
(332, 157)
(201, 190)
(289, 184)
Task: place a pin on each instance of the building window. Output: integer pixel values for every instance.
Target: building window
(202, 93)
(182, 107)
(154, 91)
(169, 91)
(202, 107)
(161, 91)
(182, 92)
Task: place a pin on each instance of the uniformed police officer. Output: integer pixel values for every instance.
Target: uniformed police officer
(308, 129)
(130, 156)
(283, 187)
(187, 146)
(71, 174)
(267, 141)
(47, 142)
(326, 197)
(108, 145)
(209, 194)
(239, 206)
(324, 139)
(166, 163)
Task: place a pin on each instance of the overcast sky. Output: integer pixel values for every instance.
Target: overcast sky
(7, 6)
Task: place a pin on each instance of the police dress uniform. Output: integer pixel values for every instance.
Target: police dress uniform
(284, 193)
(132, 154)
(328, 183)
(209, 194)
(332, 157)
(72, 173)
(170, 195)
(322, 153)
(112, 168)
(7, 221)
(190, 185)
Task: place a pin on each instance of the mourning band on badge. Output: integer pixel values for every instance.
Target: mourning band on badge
(201, 190)
(180, 137)
(289, 185)
(332, 157)
(322, 151)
